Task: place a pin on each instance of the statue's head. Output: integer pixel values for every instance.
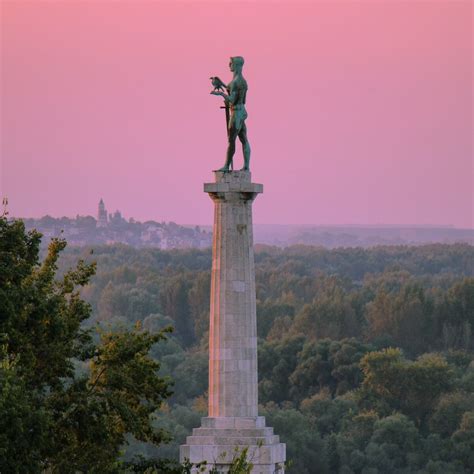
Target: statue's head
(236, 63)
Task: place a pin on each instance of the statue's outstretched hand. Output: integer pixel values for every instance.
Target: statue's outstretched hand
(217, 93)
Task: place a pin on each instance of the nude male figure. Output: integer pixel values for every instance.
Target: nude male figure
(235, 100)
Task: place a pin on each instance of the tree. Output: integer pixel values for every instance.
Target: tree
(463, 441)
(449, 412)
(304, 447)
(174, 300)
(277, 360)
(199, 303)
(326, 413)
(393, 445)
(403, 315)
(267, 312)
(456, 315)
(410, 387)
(329, 316)
(67, 404)
(328, 364)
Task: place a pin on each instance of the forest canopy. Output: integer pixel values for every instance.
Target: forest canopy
(365, 355)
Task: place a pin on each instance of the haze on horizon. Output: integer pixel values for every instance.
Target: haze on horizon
(359, 112)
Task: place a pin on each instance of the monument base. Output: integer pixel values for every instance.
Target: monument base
(221, 439)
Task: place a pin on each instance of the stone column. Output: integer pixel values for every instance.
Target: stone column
(233, 382)
(233, 422)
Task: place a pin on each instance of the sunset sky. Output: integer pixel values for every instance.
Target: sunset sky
(360, 112)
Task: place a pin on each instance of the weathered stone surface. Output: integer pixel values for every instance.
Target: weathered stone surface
(233, 422)
(219, 441)
(249, 422)
(233, 328)
(265, 459)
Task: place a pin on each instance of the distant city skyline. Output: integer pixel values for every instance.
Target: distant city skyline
(110, 228)
(360, 113)
(113, 210)
(109, 213)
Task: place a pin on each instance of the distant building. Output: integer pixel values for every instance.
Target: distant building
(111, 227)
(117, 219)
(102, 215)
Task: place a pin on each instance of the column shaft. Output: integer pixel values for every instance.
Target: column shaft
(233, 387)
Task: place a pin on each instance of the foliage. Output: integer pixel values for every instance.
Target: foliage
(416, 298)
(412, 387)
(66, 402)
(365, 355)
(303, 443)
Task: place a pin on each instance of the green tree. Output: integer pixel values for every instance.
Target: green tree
(67, 404)
(463, 441)
(404, 315)
(456, 316)
(394, 383)
(199, 303)
(267, 312)
(449, 412)
(327, 414)
(394, 445)
(328, 364)
(330, 315)
(304, 447)
(277, 360)
(174, 300)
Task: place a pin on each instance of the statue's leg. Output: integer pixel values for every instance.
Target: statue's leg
(245, 146)
(230, 149)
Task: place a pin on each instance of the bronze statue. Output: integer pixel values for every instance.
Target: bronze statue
(234, 103)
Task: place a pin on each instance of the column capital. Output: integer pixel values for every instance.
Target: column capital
(233, 185)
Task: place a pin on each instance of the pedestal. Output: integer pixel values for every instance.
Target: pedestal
(233, 421)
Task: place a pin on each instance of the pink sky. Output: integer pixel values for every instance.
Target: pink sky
(360, 112)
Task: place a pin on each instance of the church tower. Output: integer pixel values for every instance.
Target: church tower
(102, 215)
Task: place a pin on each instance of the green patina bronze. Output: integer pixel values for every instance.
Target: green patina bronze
(234, 104)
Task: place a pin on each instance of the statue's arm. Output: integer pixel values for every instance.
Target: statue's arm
(229, 98)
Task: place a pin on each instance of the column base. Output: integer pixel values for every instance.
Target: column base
(221, 439)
